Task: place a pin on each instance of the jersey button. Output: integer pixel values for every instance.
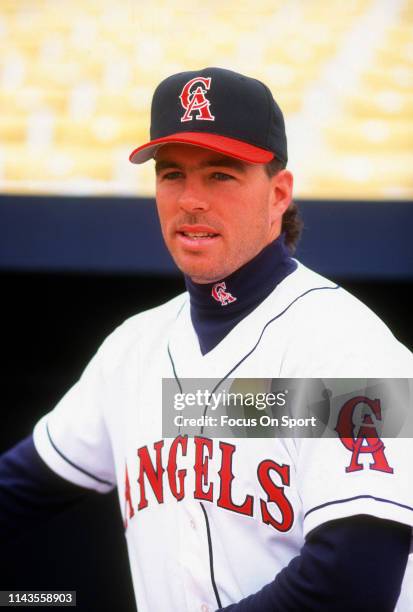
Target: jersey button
(192, 523)
(204, 608)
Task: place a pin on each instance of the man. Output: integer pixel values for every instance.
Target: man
(268, 524)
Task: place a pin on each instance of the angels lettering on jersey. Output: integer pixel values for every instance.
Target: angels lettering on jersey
(204, 469)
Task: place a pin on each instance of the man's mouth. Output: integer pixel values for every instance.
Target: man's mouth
(197, 235)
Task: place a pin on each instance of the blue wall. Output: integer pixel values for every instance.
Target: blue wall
(348, 239)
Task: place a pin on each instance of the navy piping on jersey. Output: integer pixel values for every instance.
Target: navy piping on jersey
(77, 467)
(173, 368)
(211, 557)
(348, 499)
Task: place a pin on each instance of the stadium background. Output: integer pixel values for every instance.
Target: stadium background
(79, 246)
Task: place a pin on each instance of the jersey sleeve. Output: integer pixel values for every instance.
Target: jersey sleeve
(338, 477)
(73, 438)
(336, 480)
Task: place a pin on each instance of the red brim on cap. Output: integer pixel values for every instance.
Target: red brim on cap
(221, 144)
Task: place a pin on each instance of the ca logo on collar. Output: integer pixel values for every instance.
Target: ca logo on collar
(220, 294)
(194, 101)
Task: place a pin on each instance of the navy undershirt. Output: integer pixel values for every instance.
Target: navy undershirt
(249, 285)
(30, 492)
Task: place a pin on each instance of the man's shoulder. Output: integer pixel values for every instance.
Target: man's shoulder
(167, 311)
(323, 300)
(135, 329)
(330, 330)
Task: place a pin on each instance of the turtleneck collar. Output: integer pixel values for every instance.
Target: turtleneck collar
(217, 307)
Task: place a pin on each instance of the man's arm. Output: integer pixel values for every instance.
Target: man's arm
(30, 492)
(355, 563)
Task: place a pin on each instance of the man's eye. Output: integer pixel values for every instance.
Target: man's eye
(171, 176)
(222, 176)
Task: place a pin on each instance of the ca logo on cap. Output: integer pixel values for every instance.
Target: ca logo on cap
(194, 101)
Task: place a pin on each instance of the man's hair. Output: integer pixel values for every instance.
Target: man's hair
(292, 223)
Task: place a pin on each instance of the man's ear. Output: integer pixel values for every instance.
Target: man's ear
(282, 192)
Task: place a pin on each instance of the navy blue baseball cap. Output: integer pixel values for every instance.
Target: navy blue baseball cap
(216, 109)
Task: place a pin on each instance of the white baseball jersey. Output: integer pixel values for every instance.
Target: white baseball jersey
(213, 520)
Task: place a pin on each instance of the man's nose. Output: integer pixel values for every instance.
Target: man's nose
(192, 197)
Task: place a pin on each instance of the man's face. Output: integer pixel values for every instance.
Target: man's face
(216, 212)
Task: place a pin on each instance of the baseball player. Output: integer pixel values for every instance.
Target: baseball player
(235, 524)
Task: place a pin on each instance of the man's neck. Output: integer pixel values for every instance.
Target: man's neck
(217, 307)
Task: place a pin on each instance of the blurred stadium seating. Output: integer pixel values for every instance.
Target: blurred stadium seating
(76, 80)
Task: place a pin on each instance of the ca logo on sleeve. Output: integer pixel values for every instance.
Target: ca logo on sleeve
(193, 100)
(367, 440)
